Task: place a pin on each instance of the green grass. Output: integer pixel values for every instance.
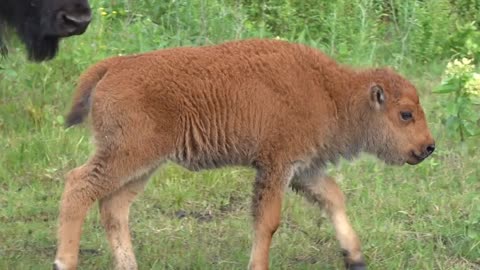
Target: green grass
(411, 217)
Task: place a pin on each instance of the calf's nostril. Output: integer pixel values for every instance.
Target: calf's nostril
(430, 148)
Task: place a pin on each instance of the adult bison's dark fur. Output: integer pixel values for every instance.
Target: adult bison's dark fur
(41, 24)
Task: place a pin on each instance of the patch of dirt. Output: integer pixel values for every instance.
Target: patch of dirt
(199, 216)
(90, 252)
(235, 203)
(305, 259)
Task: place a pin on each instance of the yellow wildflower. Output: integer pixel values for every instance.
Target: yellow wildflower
(472, 87)
(457, 67)
(104, 13)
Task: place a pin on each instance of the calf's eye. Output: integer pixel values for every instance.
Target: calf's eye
(406, 116)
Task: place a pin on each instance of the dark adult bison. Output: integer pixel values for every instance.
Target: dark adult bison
(41, 24)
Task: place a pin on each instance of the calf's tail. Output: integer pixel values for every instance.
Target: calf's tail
(86, 84)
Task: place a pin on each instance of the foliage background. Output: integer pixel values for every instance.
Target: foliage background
(422, 217)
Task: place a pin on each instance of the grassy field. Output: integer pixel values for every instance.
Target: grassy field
(411, 217)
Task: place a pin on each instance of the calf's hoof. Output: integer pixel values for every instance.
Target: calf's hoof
(353, 264)
(356, 266)
(58, 265)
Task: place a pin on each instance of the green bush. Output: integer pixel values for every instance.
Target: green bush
(461, 114)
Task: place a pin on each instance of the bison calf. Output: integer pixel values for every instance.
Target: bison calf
(285, 109)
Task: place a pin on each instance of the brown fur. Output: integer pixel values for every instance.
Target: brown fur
(285, 109)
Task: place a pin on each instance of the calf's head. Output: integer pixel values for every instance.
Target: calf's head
(42, 23)
(398, 131)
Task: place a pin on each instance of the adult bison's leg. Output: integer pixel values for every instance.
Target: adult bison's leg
(266, 206)
(325, 191)
(3, 46)
(114, 211)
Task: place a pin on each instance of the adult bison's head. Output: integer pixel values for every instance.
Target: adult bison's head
(398, 131)
(42, 23)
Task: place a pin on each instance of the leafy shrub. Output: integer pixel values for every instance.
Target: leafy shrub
(465, 41)
(461, 107)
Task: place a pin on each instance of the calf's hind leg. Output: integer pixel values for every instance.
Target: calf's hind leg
(104, 174)
(79, 194)
(114, 210)
(325, 191)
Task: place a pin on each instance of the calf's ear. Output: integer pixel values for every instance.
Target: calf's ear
(377, 97)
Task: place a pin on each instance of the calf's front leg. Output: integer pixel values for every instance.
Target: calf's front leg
(323, 190)
(266, 208)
